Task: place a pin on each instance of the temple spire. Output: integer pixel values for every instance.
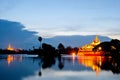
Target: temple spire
(10, 48)
(96, 41)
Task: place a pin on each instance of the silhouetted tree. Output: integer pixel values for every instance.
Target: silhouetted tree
(75, 50)
(34, 47)
(60, 64)
(61, 49)
(40, 39)
(49, 54)
(105, 46)
(116, 43)
(40, 73)
(110, 48)
(69, 50)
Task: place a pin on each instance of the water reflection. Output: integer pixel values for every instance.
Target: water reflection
(93, 62)
(73, 57)
(30, 67)
(11, 58)
(112, 64)
(98, 63)
(48, 61)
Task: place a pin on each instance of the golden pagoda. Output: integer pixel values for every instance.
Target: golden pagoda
(89, 47)
(96, 41)
(10, 48)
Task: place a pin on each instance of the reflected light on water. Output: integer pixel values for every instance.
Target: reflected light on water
(93, 62)
(11, 58)
(73, 57)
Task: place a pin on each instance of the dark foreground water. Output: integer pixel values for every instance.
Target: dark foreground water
(31, 67)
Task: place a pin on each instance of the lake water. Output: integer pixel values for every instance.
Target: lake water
(31, 67)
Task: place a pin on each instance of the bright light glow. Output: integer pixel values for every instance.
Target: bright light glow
(73, 54)
(92, 62)
(10, 48)
(11, 58)
(73, 57)
(89, 47)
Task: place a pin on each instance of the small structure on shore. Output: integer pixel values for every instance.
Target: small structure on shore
(10, 48)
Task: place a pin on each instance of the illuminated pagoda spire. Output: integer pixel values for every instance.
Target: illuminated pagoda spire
(96, 41)
(10, 48)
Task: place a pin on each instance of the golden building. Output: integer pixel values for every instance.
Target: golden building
(89, 47)
(10, 48)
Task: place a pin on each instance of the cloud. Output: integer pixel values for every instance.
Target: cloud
(71, 75)
(14, 33)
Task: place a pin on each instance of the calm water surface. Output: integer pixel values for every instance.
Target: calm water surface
(31, 67)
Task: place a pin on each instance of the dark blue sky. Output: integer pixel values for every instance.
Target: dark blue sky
(13, 33)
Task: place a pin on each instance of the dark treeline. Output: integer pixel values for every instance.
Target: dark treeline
(113, 45)
(5, 51)
(111, 48)
(47, 49)
(111, 64)
(43, 50)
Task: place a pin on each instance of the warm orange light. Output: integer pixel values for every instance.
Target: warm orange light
(10, 48)
(92, 62)
(89, 47)
(9, 59)
(73, 54)
(73, 57)
(89, 53)
(20, 58)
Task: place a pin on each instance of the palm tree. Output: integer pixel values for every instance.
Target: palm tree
(40, 39)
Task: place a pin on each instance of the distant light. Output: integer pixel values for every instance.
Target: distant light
(100, 48)
(10, 48)
(73, 57)
(73, 54)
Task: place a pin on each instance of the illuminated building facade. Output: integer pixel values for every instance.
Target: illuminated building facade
(89, 47)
